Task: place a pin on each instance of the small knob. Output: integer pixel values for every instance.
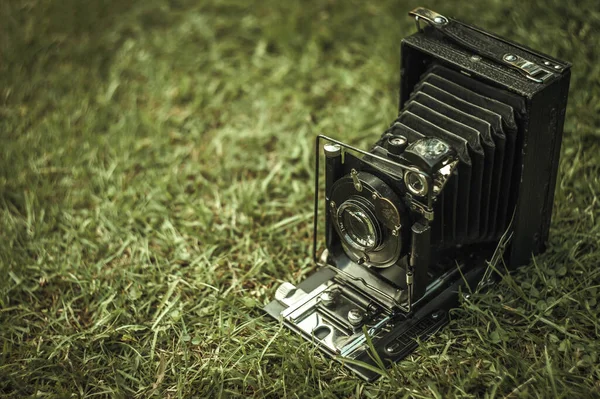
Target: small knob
(332, 150)
(397, 144)
(328, 298)
(355, 317)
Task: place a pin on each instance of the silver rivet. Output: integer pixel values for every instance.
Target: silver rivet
(436, 315)
(355, 317)
(510, 57)
(328, 298)
(547, 63)
(475, 58)
(556, 66)
(439, 20)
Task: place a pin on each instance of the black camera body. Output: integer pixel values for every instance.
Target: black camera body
(464, 177)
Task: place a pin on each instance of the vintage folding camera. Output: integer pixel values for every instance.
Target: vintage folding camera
(463, 177)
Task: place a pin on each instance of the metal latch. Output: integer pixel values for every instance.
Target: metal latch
(432, 17)
(469, 38)
(531, 70)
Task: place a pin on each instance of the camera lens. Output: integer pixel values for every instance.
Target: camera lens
(357, 224)
(358, 227)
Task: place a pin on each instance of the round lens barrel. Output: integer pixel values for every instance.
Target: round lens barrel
(358, 226)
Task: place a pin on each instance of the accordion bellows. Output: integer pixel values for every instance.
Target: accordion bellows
(481, 123)
(507, 174)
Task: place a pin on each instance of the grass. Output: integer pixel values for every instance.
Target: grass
(155, 188)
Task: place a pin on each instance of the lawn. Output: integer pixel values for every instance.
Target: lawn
(156, 186)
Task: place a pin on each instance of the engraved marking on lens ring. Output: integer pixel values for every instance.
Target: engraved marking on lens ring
(386, 211)
(416, 183)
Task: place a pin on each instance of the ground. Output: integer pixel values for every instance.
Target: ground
(155, 188)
